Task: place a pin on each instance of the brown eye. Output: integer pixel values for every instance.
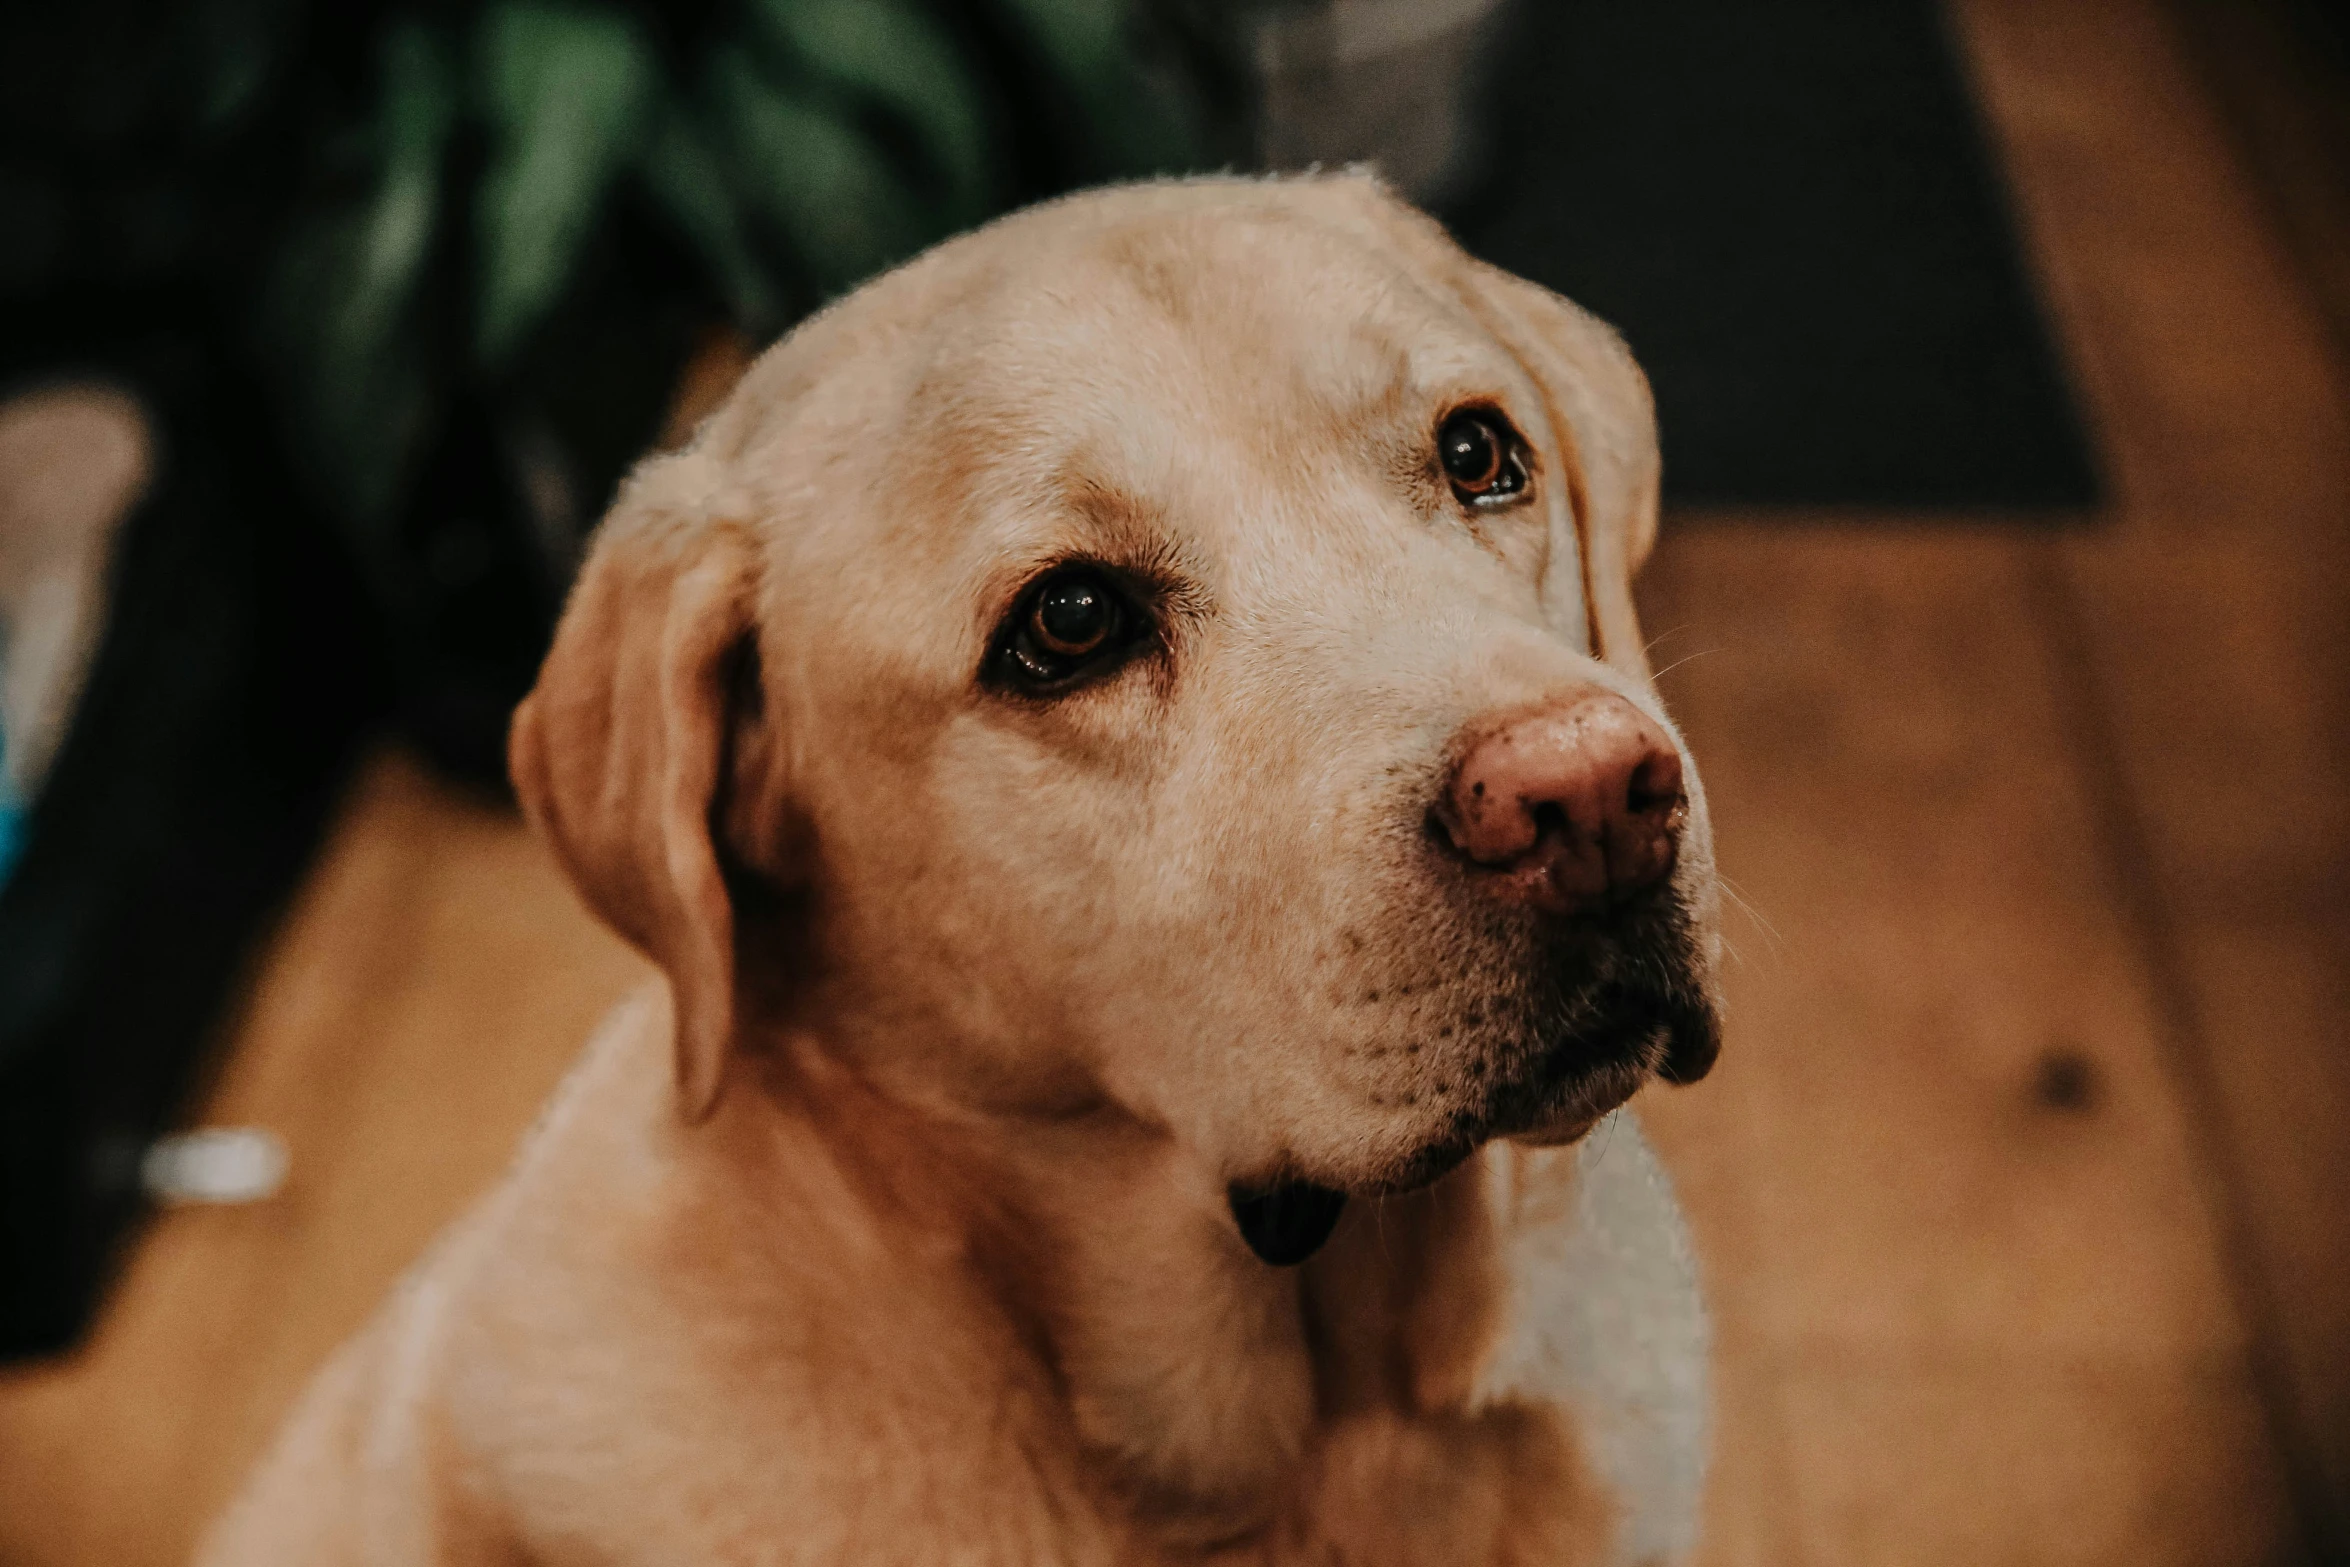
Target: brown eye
(1481, 457)
(1074, 617)
(1070, 624)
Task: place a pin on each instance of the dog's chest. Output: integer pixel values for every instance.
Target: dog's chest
(1603, 1317)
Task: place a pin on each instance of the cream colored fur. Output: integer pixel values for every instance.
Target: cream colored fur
(895, 1228)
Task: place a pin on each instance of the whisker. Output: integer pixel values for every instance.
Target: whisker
(1761, 921)
(1683, 659)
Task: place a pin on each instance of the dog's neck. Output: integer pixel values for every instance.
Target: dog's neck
(1196, 1379)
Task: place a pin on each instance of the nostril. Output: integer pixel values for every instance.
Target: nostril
(1655, 786)
(1578, 805)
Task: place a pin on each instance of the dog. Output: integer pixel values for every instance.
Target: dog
(1129, 741)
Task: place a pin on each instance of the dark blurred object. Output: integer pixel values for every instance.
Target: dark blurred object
(1394, 83)
(403, 286)
(1791, 213)
(2280, 71)
(235, 676)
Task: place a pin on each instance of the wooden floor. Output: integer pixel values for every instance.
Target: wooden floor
(2018, 1189)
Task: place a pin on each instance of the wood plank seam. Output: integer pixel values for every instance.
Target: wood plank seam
(2183, 1040)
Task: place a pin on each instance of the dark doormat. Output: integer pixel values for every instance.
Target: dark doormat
(1790, 210)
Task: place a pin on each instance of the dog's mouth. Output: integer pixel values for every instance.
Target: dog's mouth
(1670, 1035)
(1556, 1095)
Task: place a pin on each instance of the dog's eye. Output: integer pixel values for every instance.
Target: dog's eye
(1074, 616)
(1482, 457)
(1069, 623)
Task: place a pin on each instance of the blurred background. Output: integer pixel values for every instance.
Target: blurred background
(1999, 348)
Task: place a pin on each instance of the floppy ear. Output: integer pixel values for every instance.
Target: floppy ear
(620, 750)
(1603, 422)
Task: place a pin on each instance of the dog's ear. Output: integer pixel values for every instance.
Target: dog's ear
(1602, 423)
(621, 752)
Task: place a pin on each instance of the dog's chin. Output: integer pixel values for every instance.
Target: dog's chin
(1573, 1118)
(1563, 1087)
(1284, 1222)
(1558, 1107)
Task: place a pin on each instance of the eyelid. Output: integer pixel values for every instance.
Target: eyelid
(1139, 625)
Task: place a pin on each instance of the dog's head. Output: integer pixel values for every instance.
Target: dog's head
(1171, 652)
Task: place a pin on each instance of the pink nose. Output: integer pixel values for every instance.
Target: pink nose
(1580, 805)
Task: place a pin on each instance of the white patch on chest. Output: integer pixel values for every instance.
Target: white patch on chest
(1604, 1318)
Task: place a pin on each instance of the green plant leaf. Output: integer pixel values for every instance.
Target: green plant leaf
(817, 178)
(419, 108)
(1140, 125)
(338, 317)
(897, 56)
(1086, 39)
(687, 180)
(566, 93)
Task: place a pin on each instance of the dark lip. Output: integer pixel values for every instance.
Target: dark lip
(1549, 1101)
(1284, 1220)
(1570, 1087)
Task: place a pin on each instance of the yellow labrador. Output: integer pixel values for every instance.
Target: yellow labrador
(1128, 738)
